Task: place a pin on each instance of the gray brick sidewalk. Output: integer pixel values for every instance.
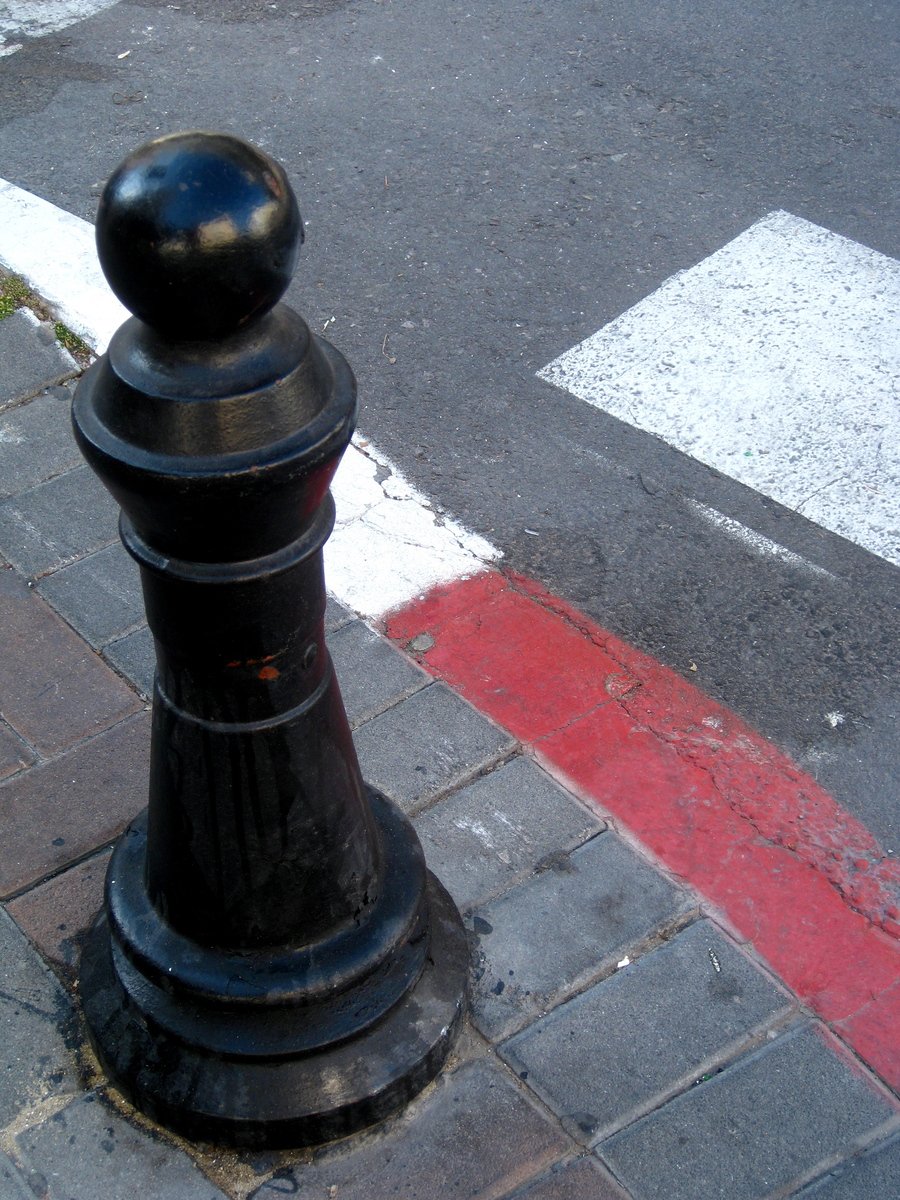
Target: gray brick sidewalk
(620, 1043)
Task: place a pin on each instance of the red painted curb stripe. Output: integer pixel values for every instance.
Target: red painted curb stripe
(720, 807)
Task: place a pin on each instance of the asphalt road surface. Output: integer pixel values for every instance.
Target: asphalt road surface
(485, 186)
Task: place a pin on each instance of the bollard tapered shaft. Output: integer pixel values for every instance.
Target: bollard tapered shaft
(274, 965)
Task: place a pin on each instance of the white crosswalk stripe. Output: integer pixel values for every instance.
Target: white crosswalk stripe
(777, 362)
(36, 18)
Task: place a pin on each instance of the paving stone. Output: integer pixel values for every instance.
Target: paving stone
(752, 1129)
(37, 1028)
(62, 811)
(56, 914)
(36, 443)
(336, 615)
(372, 674)
(87, 1151)
(57, 522)
(480, 840)
(628, 1043)
(473, 1134)
(580, 1180)
(99, 595)
(874, 1175)
(12, 1184)
(427, 744)
(556, 932)
(14, 754)
(32, 357)
(54, 689)
(135, 657)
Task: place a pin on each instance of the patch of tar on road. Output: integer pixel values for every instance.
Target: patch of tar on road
(34, 75)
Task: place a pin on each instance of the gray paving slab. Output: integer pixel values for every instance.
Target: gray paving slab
(55, 689)
(874, 1175)
(580, 1180)
(57, 522)
(651, 1029)
(37, 1028)
(565, 927)
(87, 1151)
(481, 840)
(36, 442)
(754, 1129)
(32, 357)
(14, 753)
(372, 674)
(13, 1185)
(336, 615)
(427, 744)
(473, 1135)
(135, 657)
(57, 914)
(63, 810)
(99, 595)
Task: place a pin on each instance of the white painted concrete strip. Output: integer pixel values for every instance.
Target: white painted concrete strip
(55, 253)
(389, 545)
(755, 542)
(777, 361)
(35, 18)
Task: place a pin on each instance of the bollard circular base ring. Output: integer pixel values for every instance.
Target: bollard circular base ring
(293, 1100)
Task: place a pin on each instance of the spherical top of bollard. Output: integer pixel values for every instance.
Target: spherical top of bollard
(198, 234)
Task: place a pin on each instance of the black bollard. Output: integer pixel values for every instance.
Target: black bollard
(274, 965)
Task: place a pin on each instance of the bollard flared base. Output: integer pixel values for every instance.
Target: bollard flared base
(256, 1080)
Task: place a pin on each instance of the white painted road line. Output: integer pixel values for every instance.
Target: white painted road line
(755, 542)
(56, 253)
(36, 18)
(389, 545)
(777, 361)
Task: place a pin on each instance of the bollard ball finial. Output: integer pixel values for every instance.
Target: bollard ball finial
(198, 234)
